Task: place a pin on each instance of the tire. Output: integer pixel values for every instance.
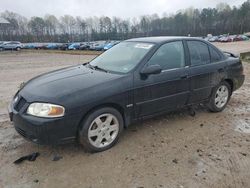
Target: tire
(18, 49)
(1, 49)
(220, 96)
(101, 129)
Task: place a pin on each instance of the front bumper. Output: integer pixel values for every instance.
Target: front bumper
(44, 131)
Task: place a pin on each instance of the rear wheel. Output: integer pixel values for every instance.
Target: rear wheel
(1, 49)
(101, 129)
(220, 97)
(18, 49)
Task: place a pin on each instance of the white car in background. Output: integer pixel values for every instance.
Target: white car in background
(12, 45)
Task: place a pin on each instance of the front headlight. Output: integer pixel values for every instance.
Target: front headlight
(45, 110)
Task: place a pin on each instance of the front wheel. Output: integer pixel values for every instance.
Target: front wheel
(220, 97)
(101, 129)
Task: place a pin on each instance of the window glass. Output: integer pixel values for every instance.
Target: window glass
(123, 57)
(199, 53)
(215, 56)
(169, 56)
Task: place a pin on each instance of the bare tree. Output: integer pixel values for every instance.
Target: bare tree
(196, 22)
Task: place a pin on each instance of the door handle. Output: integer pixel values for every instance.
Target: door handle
(184, 77)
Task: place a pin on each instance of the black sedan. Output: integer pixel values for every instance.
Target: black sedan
(136, 79)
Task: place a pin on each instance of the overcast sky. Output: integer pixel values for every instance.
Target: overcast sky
(119, 8)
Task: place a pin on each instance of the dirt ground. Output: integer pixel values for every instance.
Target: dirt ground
(172, 151)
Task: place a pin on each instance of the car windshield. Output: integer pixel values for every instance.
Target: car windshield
(123, 57)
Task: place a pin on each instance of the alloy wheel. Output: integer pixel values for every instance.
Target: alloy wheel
(221, 96)
(103, 130)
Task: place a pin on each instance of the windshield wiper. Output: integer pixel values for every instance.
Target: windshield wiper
(88, 65)
(99, 68)
(96, 67)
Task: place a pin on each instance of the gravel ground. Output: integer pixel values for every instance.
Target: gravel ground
(173, 150)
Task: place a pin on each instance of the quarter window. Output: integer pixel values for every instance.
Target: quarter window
(215, 56)
(169, 56)
(199, 53)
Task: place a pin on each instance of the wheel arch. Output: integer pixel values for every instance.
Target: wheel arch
(231, 83)
(118, 107)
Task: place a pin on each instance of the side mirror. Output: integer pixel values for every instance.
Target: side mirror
(151, 69)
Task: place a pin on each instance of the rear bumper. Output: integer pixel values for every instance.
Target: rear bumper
(238, 81)
(45, 131)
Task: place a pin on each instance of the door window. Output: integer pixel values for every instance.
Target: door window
(199, 53)
(169, 56)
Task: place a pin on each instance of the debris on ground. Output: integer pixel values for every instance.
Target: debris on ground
(36, 180)
(199, 150)
(244, 154)
(56, 158)
(30, 157)
(175, 161)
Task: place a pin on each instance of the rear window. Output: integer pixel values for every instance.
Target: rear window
(215, 56)
(199, 53)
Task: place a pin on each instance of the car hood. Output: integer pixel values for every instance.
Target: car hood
(56, 84)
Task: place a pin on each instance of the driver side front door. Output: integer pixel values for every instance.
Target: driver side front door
(165, 91)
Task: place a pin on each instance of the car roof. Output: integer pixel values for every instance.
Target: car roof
(160, 39)
(12, 42)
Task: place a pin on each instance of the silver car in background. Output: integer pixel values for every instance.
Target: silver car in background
(11, 45)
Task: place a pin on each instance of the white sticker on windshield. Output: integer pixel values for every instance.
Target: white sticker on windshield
(143, 45)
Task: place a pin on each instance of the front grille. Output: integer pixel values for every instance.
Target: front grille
(20, 103)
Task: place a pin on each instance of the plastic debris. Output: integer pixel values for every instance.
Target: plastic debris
(31, 157)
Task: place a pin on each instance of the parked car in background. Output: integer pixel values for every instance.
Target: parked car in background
(238, 38)
(231, 38)
(85, 46)
(65, 46)
(247, 34)
(110, 45)
(207, 38)
(1, 42)
(242, 37)
(28, 46)
(98, 45)
(225, 39)
(36, 46)
(12, 45)
(91, 45)
(245, 37)
(52, 46)
(136, 79)
(41, 46)
(74, 46)
(213, 39)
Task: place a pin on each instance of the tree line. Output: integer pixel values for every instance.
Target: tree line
(191, 21)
